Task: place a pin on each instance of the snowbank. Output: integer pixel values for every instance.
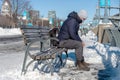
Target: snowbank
(7, 31)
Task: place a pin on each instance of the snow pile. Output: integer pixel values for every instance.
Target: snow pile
(90, 36)
(7, 32)
(108, 56)
(96, 52)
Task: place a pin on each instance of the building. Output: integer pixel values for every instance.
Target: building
(52, 18)
(34, 14)
(52, 14)
(6, 8)
(6, 19)
(43, 22)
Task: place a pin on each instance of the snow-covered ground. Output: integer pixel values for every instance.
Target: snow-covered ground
(104, 60)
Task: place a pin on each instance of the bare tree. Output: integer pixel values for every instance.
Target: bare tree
(18, 6)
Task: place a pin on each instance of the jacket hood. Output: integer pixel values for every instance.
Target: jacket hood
(75, 16)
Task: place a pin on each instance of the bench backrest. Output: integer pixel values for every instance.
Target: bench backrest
(31, 33)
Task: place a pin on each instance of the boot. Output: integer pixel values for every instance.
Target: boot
(85, 64)
(80, 66)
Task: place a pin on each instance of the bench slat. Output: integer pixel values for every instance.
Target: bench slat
(35, 27)
(50, 54)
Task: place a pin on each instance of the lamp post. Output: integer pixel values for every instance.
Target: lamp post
(106, 12)
(98, 10)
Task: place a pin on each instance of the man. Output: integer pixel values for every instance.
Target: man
(69, 38)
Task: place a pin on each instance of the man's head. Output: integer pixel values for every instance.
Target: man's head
(82, 14)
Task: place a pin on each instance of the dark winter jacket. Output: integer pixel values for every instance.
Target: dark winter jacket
(70, 27)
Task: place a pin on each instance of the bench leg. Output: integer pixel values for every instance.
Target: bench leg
(24, 67)
(60, 57)
(29, 64)
(24, 62)
(66, 53)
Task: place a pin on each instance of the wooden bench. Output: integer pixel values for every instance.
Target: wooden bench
(39, 46)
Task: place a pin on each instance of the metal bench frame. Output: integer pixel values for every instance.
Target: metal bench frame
(116, 35)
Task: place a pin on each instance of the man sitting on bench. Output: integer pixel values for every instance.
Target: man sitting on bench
(69, 38)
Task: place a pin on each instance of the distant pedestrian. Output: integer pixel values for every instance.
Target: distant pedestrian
(69, 38)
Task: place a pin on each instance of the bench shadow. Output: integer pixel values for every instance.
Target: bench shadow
(45, 68)
(110, 60)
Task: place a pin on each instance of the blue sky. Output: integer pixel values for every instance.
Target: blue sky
(64, 7)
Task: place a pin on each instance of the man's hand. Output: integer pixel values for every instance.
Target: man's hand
(83, 44)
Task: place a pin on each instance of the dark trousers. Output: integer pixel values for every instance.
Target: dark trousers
(73, 44)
